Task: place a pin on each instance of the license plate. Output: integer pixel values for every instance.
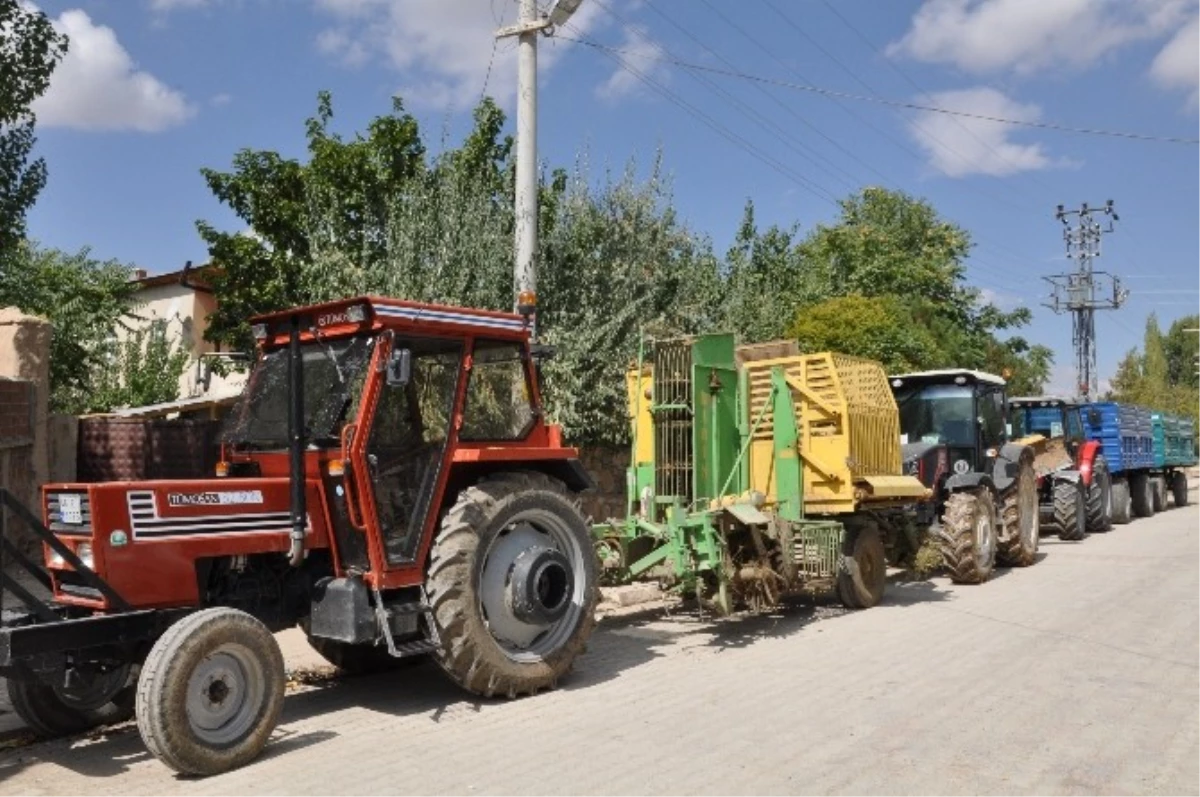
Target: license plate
(70, 508)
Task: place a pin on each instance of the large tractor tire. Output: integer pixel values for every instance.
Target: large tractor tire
(1021, 521)
(1100, 497)
(513, 587)
(211, 692)
(863, 574)
(1179, 488)
(1158, 493)
(49, 711)
(1070, 510)
(968, 536)
(1142, 494)
(1122, 502)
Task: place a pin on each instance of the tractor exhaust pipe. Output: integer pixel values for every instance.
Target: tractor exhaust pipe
(296, 443)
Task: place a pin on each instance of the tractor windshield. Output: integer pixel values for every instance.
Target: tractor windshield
(333, 380)
(937, 414)
(1046, 421)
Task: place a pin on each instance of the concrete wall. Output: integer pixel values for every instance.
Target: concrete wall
(25, 355)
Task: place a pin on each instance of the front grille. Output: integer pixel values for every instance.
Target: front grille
(55, 520)
(673, 459)
(817, 548)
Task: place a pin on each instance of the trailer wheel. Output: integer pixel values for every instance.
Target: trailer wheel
(968, 536)
(1142, 495)
(1070, 510)
(1158, 493)
(512, 584)
(862, 576)
(104, 699)
(1179, 488)
(1022, 520)
(1122, 502)
(210, 692)
(1100, 497)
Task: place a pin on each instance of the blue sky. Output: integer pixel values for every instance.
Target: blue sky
(153, 90)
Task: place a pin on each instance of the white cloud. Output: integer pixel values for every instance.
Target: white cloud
(220, 100)
(99, 87)
(1177, 66)
(164, 6)
(1030, 36)
(639, 52)
(959, 146)
(1002, 299)
(442, 47)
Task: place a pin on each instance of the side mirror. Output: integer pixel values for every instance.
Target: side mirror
(399, 368)
(1093, 417)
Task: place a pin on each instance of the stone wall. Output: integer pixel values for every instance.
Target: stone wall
(607, 465)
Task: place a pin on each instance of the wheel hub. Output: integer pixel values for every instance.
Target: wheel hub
(540, 586)
(224, 694)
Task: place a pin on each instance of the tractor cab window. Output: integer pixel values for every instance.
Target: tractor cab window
(937, 414)
(407, 441)
(499, 404)
(991, 417)
(1074, 425)
(333, 374)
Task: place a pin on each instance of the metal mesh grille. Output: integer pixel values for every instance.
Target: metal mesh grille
(673, 456)
(817, 549)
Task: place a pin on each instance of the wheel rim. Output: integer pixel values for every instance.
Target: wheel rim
(225, 693)
(97, 692)
(531, 641)
(984, 539)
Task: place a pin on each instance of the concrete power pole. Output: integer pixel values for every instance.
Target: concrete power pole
(1085, 290)
(530, 23)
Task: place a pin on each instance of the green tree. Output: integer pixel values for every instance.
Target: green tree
(85, 300)
(1182, 347)
(880, 328)
(762, 281)
(30, 49)
(1149, 377)
(143, 368)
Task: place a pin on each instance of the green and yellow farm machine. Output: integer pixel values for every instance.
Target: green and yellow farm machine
(758, 471)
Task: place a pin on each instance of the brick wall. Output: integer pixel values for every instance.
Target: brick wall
(16, 411)
(16, 453)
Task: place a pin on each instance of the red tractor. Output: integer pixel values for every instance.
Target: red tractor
(1074, 482)
(387, 481)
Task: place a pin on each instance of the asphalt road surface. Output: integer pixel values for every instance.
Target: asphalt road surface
(1079, 675)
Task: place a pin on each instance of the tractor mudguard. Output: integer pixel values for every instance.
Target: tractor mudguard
(1085, 460)
(1072, 476)
(1008, 464)
(967, 481)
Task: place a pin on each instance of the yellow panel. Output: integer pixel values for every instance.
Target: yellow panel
(639, 410)
(896, 487)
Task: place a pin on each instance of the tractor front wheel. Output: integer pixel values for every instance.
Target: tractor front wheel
(863, 574)
(1021, 518)
(1100, 497)
(1070, 510)
(512, 584)
(100, 698)
(211, 692)
(968, 536)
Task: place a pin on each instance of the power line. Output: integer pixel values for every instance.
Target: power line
(914, 106)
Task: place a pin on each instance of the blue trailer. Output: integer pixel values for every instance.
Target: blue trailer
(1146, 452)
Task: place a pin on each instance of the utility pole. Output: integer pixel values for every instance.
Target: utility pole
(1084, 291)
(530, 22)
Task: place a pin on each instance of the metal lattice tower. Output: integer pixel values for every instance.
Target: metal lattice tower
(1085, 290)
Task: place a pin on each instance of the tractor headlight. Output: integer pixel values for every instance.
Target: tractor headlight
(84, 552)
(56, 559)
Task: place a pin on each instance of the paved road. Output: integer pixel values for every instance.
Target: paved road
(1078, 675)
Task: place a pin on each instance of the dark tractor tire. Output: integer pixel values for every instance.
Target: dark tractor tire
(1070, 510)
(863, 575)
(211, 692)
(51, 711)
(1100, 497)
(355, 659)
(1122, 503)
(1020, 520)
(1142, 495)
(1158, 493)
(968, 536)
(513, 586)
(1179, 488)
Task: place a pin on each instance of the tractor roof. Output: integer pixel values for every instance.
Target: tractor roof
(401, 313)
(946, 375)
(1042, 401)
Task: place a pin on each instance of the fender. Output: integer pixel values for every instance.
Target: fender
(968, 481)
(1085, 460)
(1008, 464)
(1072, 476)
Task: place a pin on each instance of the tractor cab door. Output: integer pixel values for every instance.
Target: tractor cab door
(404, 440)
(1073, 432)
(993, 432)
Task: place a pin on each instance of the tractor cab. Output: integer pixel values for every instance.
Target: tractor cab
(1051, 417)
(952, 422)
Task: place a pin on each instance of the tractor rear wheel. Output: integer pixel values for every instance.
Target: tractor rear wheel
(1070, 510)
(103, 698)
(1142, 495)
(1122, 502)
(968, 536)
(863, 573)
(1100, 497)
(1158, 493)
(1179, 488)
(512, 584)
(211, 692)
(1021, 520)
